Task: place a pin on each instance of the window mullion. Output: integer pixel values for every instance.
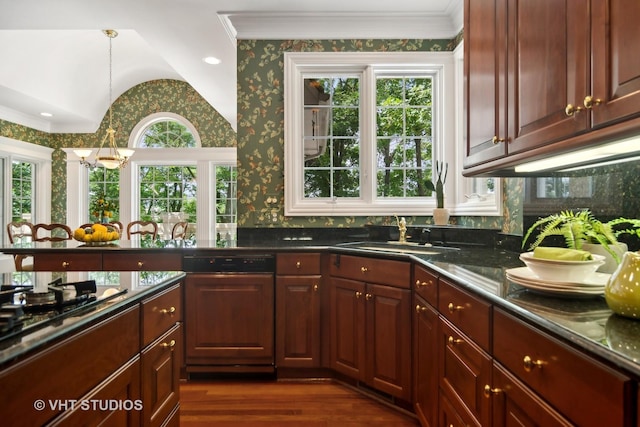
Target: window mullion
(368, 135)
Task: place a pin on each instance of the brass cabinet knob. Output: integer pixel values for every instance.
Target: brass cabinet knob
(140, 264)
(368, 297)
(170, 310)
(358, 294)
(169, 344)
(420, 309)
(65, 264)
(453, 340)
(315, 287)
(298, 264)
(488, 391)
(529, 363)
(364, 269)
(571, 109)
(497, 140)
(589, 102)
(453, 308)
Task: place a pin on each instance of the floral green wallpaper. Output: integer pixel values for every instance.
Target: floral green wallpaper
(132, 106)
(261, 134)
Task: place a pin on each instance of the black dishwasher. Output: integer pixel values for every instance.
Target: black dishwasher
(229, 313)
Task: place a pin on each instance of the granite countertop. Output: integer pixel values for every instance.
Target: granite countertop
(77, 320)
(584, 322)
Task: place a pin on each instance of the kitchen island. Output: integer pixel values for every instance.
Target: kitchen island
(114, 358)
(470, 300)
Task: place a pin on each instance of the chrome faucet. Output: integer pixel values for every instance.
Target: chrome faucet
(402, 228)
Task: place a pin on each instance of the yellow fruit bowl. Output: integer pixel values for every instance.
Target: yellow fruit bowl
(97, 234)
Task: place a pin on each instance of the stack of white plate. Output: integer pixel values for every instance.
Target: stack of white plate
(591, 286)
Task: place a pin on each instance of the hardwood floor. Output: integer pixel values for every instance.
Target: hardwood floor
(283, 403)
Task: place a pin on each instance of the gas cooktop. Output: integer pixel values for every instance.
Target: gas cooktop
(22, 310)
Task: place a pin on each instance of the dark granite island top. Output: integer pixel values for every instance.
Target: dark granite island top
(41, 329)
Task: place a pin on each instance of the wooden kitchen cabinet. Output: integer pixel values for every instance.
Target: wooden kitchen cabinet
(89, 261)
(141, 261)
(425, 362)
(370, 323)
(161, 355)
(298, 282)
(580, 388)
(464, 370)
(543, 77)
(515, 404)
(229, 322)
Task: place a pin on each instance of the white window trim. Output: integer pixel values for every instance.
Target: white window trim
(13, 149)
(447, 136)
(466, 201)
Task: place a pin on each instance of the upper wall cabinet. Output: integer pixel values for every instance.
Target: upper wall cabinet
(546, 76)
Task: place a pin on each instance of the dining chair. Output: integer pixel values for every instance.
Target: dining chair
(53, 232)
(179, 230)
(117, 224)
(20, 231)
(142, 228)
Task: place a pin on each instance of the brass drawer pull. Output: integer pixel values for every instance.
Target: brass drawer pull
(170, 344)
(453, 341)
(453, 308)
(364, 269)
(529, 363)
(171, 310)
(488, 391)
(420, 284)
(140, 264)
(420, 309)
(298, 264)
(66, 264)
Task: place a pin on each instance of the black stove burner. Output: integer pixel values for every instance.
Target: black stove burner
(22, 310)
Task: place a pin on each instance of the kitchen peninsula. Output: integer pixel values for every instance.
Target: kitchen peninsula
(455, 331)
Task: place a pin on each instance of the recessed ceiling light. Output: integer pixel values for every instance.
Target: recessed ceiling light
(211, 60)
(45, 114)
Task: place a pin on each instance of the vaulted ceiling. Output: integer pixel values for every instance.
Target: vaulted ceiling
(54, 57)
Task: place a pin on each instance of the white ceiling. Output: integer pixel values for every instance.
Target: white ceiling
(54, 56)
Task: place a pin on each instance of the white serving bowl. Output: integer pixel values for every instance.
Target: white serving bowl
(562, 271)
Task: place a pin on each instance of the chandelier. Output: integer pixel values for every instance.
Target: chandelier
(110, 157)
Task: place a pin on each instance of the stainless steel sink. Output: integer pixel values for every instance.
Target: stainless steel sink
(407, 247)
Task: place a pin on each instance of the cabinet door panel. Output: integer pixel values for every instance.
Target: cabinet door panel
(548, 70)
(514, 404)
(298, 321)
(229, 319)
(347, 327)
(160, 377)
(425, 362)
(388, 337)
(485, 80)
(464, 371)
(616, 63)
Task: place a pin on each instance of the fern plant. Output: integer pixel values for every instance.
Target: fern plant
(582, 227)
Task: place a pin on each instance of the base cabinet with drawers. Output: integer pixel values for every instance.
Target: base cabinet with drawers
(298, 286)
(370, 322)
(130, 357)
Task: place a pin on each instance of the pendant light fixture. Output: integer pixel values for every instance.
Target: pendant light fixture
(110, 157)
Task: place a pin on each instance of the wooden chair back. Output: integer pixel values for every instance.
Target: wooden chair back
(53, 232)
(19, 230)
(142, 228)
(179, 230)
